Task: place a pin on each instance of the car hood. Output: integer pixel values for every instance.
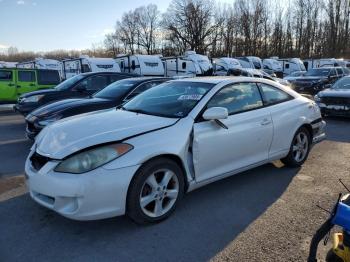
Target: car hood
(56, 107)
(332, 92)
(73, 134)
(39, 92)
(310, 78)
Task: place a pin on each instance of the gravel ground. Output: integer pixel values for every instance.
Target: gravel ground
(266, 214)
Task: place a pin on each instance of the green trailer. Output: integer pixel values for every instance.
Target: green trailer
(17, 81)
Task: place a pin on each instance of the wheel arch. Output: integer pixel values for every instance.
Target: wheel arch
(308, 128)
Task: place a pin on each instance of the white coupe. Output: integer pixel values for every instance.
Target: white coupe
(141, 158)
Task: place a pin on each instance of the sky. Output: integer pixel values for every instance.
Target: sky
(44, 25)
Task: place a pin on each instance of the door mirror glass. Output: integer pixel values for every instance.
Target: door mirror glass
(215, 113)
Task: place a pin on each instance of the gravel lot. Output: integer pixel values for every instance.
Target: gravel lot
(266, 214)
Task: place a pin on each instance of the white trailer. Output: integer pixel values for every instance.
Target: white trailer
(84, 64)
(4, 64)
(324, 62)
(201, 62)
(143, 65)
(257, 62)
(179, 66)
(291, 65)
(223, 65)
(245, 62)
(271, 65)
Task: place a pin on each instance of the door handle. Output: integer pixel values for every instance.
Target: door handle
(18, 86)
(265, 122)
(32, 84)
(10, 84)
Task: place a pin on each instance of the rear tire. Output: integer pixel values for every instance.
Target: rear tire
(155, 191)
(299, 149)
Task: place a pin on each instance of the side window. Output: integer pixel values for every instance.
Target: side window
(183, 65)
(142, 88)
(133, 65)
(86, 68)
(114, 78)
(5, 75)
(333, 73)
(287, 66)
(94, 83)
(48, 77)
(237, 98)
(26, 76)
(339, 71)
(273, 95)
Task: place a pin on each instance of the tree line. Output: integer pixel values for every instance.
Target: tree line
(264, 28)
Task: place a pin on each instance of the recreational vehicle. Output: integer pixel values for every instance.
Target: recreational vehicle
(42, 63)
(201, 62)
(143, 65)
(271, 65)
(245, 62)
(325, 62)
(223, 65)
(179, 66)
(257, 62)
(4, 64)
(85, 64)
(291, 65)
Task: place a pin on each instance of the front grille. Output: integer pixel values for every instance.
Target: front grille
(335, 100)
(303, 84)
(38, 161)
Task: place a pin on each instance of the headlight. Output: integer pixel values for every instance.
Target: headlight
(317, 98)
(50, 120)
(32, 99)
(92, 158)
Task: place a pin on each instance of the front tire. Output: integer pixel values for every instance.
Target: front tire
(299, 149)
(155, 191)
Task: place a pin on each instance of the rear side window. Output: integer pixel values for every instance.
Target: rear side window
(95, 83)
(113, 78)
(48, 77)
(339, 71)
(273, 95)
(5, 75)
(237, 98)
(26, 76)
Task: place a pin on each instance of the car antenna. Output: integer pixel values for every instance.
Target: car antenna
(341, 182)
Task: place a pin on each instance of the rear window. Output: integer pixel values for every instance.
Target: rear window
(49, 77)
(5, 75)
(26, 76)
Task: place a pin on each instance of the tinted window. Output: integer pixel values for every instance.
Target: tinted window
(333, 73)
(339, 71)
(48, 77)
(26, 76)
(273, 95)
(172, 99)
(113, 78)
(94, 82)
(117, 89)
(142, 88)
(318, 72)
(67, 84)
(237, 98)
(5, 75)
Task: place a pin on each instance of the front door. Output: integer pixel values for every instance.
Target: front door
(246, 140)
(8, 91)
(26, 81)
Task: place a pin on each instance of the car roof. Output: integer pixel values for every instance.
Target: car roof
(219, 79)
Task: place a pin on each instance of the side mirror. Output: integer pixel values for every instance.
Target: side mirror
(215, 113)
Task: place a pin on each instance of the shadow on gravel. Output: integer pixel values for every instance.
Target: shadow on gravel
(338, 129)
(205, 222)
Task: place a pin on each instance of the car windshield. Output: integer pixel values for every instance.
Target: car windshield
(318, 72)
(173, 99)
(117, 89)
(69, 82)
(343, 83)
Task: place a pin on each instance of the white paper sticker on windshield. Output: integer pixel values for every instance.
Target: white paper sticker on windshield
(195, 97)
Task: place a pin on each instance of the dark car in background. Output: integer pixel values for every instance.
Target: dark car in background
(113, 95)
(317, 79)
(79, 86)
(335, 100)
